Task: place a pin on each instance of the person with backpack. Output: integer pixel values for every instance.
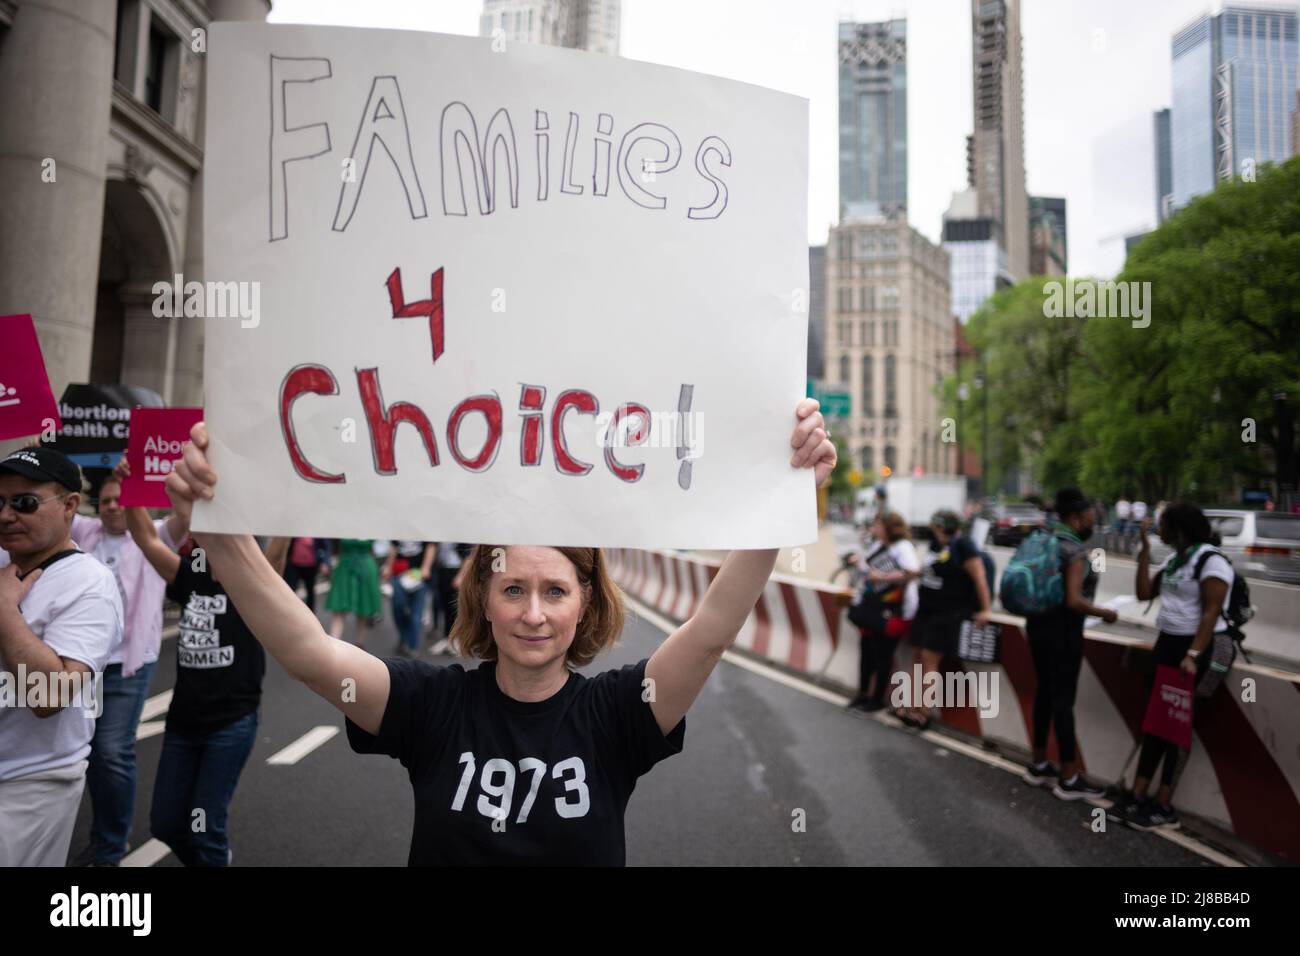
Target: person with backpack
(1055, 636)
(954, 587)
(1193, 584)
(884, 607)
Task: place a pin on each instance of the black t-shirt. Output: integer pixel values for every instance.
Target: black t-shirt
(219, 664)
(407, 554)
(560, 770)
(945, 585)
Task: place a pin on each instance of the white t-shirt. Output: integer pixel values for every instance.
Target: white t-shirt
(75, 608)
(1180, 595)
(108, 552)
(1139, 510)
(899, 555)
(1122, 509)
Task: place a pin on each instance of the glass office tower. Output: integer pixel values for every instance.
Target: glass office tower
(1234, 88)
(873, 118)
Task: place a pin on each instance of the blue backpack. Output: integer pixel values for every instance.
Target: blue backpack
(1032, 582)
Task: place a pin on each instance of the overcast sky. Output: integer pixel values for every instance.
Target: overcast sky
(1094, 73)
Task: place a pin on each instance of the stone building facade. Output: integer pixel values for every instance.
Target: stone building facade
(101, 182)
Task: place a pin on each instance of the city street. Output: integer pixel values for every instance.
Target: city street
(757, 751)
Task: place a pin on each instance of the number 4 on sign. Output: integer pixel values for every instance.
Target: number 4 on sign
(432, 307)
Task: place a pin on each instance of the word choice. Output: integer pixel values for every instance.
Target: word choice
(632, 419)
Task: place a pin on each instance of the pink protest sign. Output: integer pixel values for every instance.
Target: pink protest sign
(27, 405)
(157, 437)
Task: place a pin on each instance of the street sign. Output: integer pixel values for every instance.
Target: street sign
(834, 404)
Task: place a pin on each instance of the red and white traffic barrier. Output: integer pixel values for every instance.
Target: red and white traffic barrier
(1243, 772)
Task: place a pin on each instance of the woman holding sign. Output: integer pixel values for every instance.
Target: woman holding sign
(520, 760)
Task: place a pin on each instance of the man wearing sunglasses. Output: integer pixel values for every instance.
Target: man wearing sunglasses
(60, 620)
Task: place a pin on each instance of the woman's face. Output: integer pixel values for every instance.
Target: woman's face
(878, 530)
(534, 604)
(939, 535)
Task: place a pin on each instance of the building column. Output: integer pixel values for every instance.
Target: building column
(148, 342)
(56, 68)
(187, 388)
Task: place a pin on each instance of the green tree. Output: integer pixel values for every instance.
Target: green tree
(1167, 416)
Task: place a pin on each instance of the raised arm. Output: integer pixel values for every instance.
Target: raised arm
(341, 674)
(164, 560)
(683, 663)
(177, 526)
(1145, 585)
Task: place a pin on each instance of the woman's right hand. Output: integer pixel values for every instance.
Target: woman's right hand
(192, 477)
(1144, 542)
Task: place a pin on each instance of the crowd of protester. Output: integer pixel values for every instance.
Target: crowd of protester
(926, 600)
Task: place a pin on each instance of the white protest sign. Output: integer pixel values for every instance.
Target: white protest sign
(535, 296)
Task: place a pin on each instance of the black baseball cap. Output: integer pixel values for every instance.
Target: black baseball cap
(43, 464)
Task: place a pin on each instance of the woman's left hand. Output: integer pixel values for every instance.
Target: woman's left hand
(812, 442)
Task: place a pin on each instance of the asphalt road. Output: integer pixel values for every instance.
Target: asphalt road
(760, 759)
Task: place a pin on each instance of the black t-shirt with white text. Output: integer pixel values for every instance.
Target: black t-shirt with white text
(219, 664)
(946, 587)
(500, 781)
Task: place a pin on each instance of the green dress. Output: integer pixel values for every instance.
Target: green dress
(354, 587)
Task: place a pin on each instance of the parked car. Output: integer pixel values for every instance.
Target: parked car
(1013, 523)
(1260, 544)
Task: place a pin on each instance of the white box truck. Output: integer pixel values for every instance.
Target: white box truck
(917, 498)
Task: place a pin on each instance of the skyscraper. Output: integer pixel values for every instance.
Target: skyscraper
(1234, 85)
(1164, 166)
(580, 24)
(976, 252)
(996, 153)
(1048, 248)
(873, 118)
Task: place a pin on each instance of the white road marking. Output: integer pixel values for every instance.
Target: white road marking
(150, 728)
(303, 745)
(942, 740)
(156, 705)
(147, 854)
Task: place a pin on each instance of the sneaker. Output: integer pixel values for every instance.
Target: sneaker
(1124, 806)
(1080, 788)
(857, 703)
(1041, 774)
(873, 705)
(1153, 816)
(439, 647)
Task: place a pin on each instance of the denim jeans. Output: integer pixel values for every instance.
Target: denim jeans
(198, 772)
(111, 776)
(408, 610)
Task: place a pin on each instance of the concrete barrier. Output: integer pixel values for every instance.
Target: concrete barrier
(1243, 773)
